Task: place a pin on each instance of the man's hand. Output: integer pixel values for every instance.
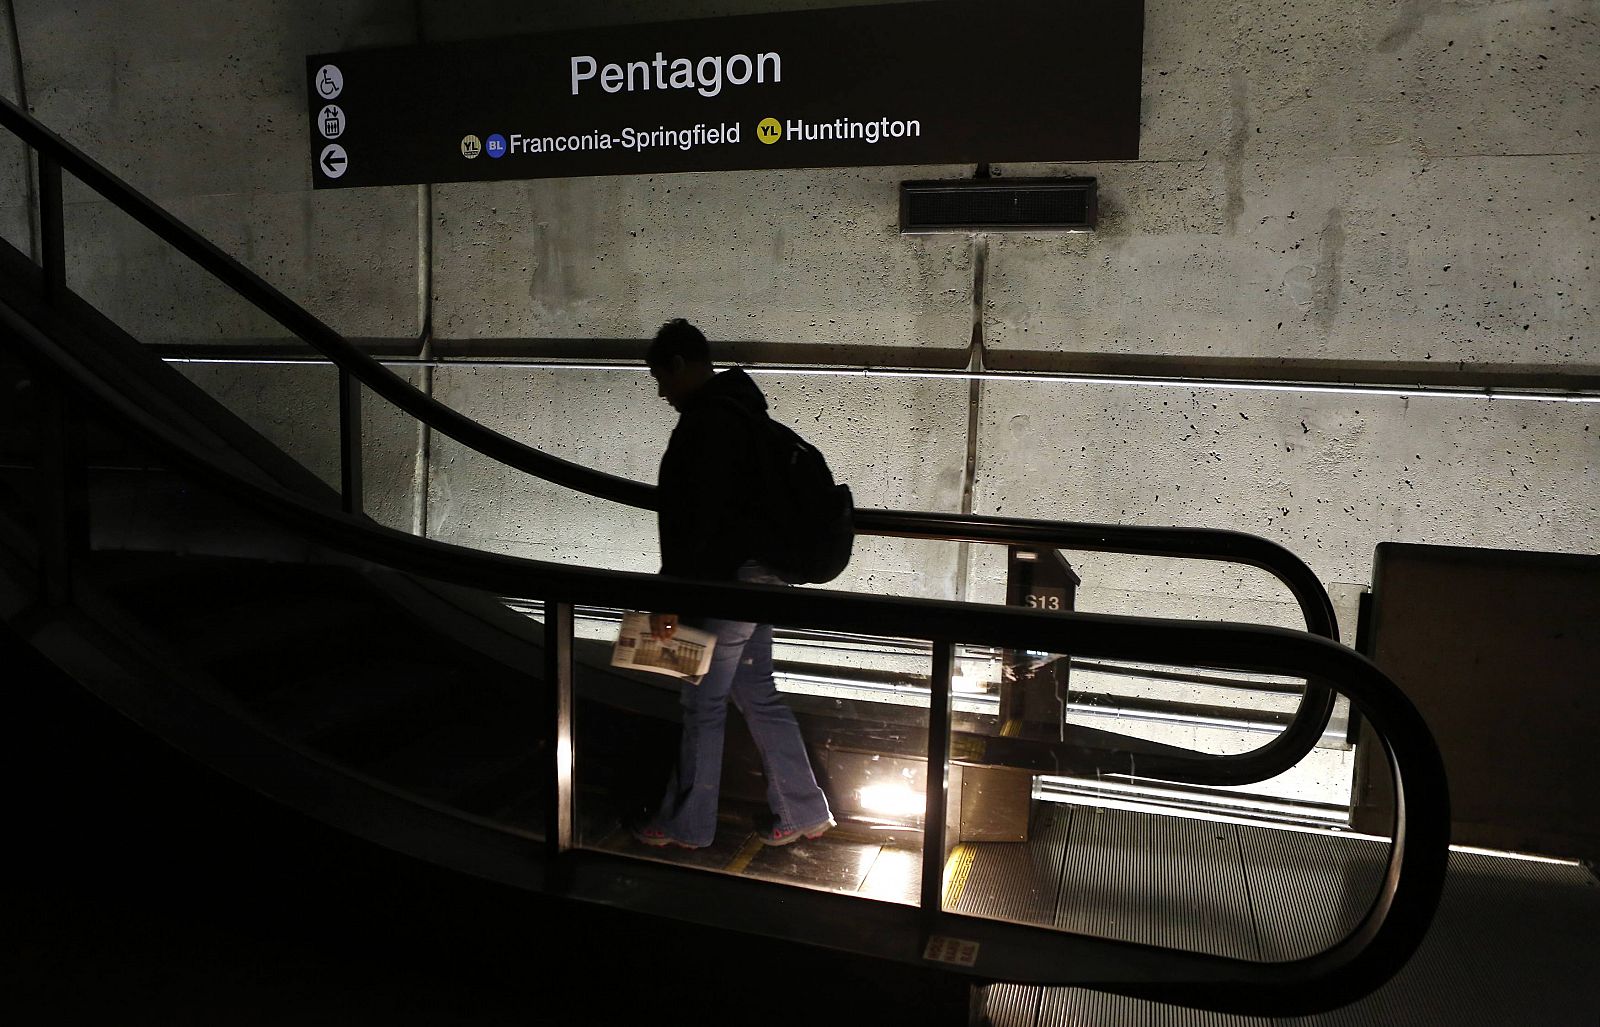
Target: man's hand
(663, 626)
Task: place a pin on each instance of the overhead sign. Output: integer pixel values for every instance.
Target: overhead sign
(951, 82)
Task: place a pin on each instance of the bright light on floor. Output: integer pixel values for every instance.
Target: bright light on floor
(967, 683)
(892, 800)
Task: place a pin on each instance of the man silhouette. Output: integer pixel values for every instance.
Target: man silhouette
(713, 507)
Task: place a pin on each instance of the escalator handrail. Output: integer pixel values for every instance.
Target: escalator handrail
(1392, 929)
(1286, 749)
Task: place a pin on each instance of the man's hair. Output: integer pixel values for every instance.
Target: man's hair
(678, 338)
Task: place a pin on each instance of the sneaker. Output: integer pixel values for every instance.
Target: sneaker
(783, 836)
(657, 838)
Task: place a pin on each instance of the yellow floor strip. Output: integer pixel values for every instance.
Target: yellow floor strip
(956, 869)
(746, 854)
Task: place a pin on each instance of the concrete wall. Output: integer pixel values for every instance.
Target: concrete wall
(796, 256)
(297, 408)
(201, 107)
(1406, 184)
(1327, 476)
(478, 503)
(1384, 181)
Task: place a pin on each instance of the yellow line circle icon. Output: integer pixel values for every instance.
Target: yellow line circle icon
(769, 131)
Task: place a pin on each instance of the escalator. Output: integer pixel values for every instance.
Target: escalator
(213, 590)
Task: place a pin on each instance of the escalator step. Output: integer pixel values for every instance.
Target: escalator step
(365, 743)
(462, 757)
(300, 708)
(513, 782)
(140, 577)
(320, 628)
(527, 809)
(210, 583)
(348, 649)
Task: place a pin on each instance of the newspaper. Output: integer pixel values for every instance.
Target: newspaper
(686, 655)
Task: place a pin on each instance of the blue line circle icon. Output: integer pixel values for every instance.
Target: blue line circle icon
(495, 146)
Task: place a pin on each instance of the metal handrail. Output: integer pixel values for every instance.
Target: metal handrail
(1363, 960)
(1286, 749)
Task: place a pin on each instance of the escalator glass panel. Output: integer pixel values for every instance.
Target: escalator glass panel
(860, 706)
(1053, 825)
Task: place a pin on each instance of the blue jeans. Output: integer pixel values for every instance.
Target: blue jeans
(741, 669)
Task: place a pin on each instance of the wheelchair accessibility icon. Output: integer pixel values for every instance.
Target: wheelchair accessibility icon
(329, 82)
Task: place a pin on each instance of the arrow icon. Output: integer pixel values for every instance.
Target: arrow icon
(334, 160)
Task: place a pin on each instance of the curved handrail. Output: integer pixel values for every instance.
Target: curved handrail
(1286, 749)
(1391, 931)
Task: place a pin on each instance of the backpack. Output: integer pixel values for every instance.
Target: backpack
(811, 520)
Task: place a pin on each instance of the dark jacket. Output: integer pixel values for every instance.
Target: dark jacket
(711, 487)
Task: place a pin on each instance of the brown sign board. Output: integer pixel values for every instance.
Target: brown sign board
(947, 82)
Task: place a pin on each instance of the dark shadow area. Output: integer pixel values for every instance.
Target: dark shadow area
(149, 889)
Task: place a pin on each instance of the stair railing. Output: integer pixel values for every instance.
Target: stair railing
(1390, 932)
(357, 368)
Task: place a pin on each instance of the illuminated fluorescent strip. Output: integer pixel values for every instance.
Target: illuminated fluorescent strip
(1282, 817)
(910, 696)
(1128, 785)
(1116, 795)
(1330, 736)
(1224, 384)
(1526, 857)
(1041, 377)
(1232, 385)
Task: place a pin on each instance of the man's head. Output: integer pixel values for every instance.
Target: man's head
(680, 361)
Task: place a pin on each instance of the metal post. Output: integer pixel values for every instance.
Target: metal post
(558, 677)
(52, 228)
(350, 486)
(938, 782)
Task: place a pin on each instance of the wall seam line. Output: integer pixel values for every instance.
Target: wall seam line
(975, 352)
(34, 241)
(423, 468)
